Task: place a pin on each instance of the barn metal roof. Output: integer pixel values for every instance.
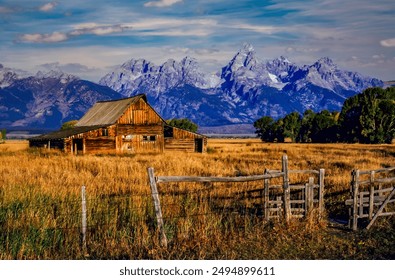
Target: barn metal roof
(107, 112)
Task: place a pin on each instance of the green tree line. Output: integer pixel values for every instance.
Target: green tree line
(368, 117)
(184, 124)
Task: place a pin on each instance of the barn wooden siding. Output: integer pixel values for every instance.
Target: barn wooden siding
(140, 138)
(140, 129)
(140, 113)
(182, 140)
(100, 140)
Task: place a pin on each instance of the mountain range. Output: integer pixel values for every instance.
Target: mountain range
(244, 90)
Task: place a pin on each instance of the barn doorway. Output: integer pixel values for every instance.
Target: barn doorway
(198, 145)
(78, 146)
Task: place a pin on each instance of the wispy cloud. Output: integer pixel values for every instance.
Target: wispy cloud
(265, 29)
(162, 3)
(149, 27)
(48, 7)
(388, 42)
(67, 68)
(44, 38)
(97, 29)
(174, 27)
(12, 8)
(91, 28)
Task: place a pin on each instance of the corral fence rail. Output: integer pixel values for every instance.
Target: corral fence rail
(372, 193)
(278, 201)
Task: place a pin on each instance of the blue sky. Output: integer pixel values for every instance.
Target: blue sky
(88, 38)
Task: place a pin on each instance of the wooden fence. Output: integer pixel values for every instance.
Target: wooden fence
(282, 200)
(372, 191)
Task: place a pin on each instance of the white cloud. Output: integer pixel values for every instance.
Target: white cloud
(84, 29)
(149, 27)
(74, 68)
(162, 3)
(388, 42)
(258, 28)
(96, 29)
(48, 7)
(173, 27)
(44, 38)
(165, 23)
(378, 56)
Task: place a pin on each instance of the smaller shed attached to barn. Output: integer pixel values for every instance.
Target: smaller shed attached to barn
(128, 125)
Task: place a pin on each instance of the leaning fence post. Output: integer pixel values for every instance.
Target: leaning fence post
(158, 210)
(287, 195)
(378, 213)
(83, 196)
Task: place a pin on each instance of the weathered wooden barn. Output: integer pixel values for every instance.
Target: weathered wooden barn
(127, 125)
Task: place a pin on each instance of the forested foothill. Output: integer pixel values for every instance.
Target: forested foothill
(368, 117)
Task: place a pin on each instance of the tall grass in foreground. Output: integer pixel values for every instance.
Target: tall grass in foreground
(40, 204)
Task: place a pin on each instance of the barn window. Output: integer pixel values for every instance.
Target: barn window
(149, 138)
(104, 132)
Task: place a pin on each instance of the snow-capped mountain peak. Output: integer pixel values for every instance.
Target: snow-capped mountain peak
(7, 76)
(56, 74)
(245, 59)
(325, 65)
(281, 67)
(147, 76)
(326, 74)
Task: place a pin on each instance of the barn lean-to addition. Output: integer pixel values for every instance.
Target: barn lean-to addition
(128, 125)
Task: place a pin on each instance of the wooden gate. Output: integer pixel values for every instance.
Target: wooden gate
(372, 192)
(298, 199)
(280, 199)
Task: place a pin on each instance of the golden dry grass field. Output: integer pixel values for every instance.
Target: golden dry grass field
(40, 204)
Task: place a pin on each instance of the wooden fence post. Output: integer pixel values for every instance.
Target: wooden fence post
(158, 210)
(309, 194)
(287, 194)
(321, 184)
(355, 186)
(371, 195)
(83, 196)
(266, 183)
